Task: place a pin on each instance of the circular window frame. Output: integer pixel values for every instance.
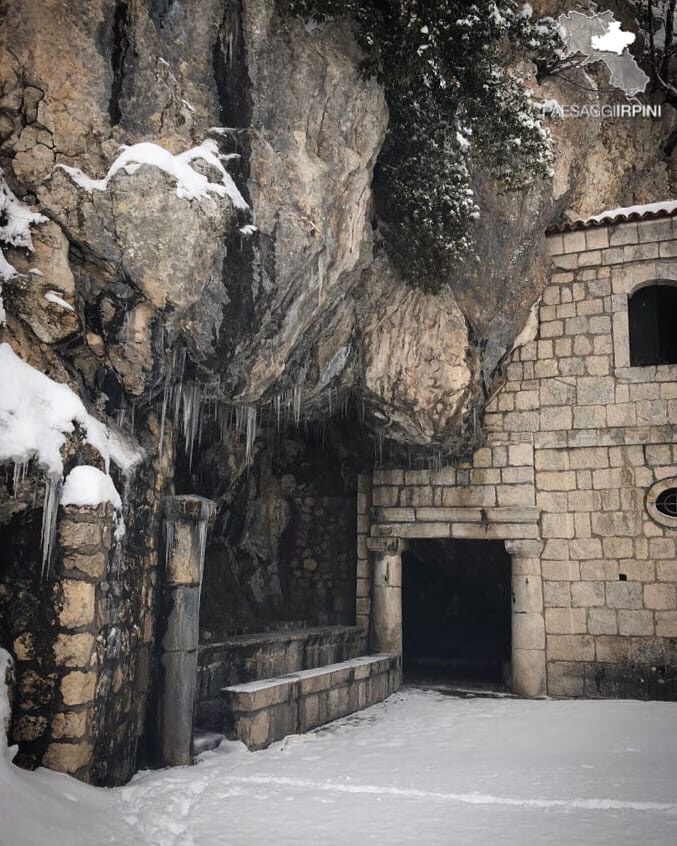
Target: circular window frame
(650, 503)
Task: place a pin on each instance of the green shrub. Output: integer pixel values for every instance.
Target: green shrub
(454, 104)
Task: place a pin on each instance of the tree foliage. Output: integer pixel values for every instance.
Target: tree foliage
(453, 103)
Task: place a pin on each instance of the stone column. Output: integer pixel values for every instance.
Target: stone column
(386, 611)
(186, 523)
(363, 580)
(528, 624)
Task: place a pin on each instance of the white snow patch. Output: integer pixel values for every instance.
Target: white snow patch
(36, 414)
(190, 184)
(614, 39)
(248, 229)
(87, 485)
(54, 297)
(15, 231)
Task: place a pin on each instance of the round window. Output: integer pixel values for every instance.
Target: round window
(661, 503)
(666, 503)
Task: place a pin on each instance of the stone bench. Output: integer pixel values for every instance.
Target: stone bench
(261, 655)
(261, 712)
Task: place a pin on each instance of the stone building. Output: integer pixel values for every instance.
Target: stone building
(578, 476)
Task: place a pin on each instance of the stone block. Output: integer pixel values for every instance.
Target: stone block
(585, 548)
(666, 571)
(551, 459)
(94, 565)
(560, 571)
(528, 672)
(589, 258)
(595, 390)
(527, 592)
(515, 495)
(386, 496)
(28, 728)
(602, 621)
(624, 595)
(666, 623)
(557, 594)
(602, 570)
(660, 597)
(76, 607)
(67, 757)
(556, 480)
(528, 631)
(623, 233)
(573, 242)
(571, 648)
(69, 724)
(597, 238)
(661, 548)
(565, 621)
(565, 678)
(635, 623)
(76, 536)
(73, 650)
(587, 594)
(654, 230)
(396, 515)
(78, 688)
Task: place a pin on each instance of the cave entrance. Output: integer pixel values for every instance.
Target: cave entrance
(456, 613)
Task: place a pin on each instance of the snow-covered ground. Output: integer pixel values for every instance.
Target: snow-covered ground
(421, 769)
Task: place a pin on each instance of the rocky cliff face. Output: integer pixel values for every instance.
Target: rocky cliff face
(286, 300)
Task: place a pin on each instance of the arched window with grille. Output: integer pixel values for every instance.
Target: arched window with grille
(652, 319)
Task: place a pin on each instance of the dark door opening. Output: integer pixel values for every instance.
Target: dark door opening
(456, 612)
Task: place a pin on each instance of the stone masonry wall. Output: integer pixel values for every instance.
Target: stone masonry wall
(576, 438)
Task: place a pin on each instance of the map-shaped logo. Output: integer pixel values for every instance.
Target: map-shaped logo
(599, 38)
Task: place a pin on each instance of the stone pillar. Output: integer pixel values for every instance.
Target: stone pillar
(528, 624)
(79, 569)
(186, 523)
(386, 612)
(363, 580)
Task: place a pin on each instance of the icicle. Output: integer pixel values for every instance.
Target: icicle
(50, 508)
(20, 468)
(251, 432)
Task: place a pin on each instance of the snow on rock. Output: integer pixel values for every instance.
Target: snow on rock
(16, 220)
(36, 414)
(86, 485)
(190, 183)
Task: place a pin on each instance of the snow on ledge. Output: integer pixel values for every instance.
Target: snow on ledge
(190, 184)
(36, 414)
(87, 485)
